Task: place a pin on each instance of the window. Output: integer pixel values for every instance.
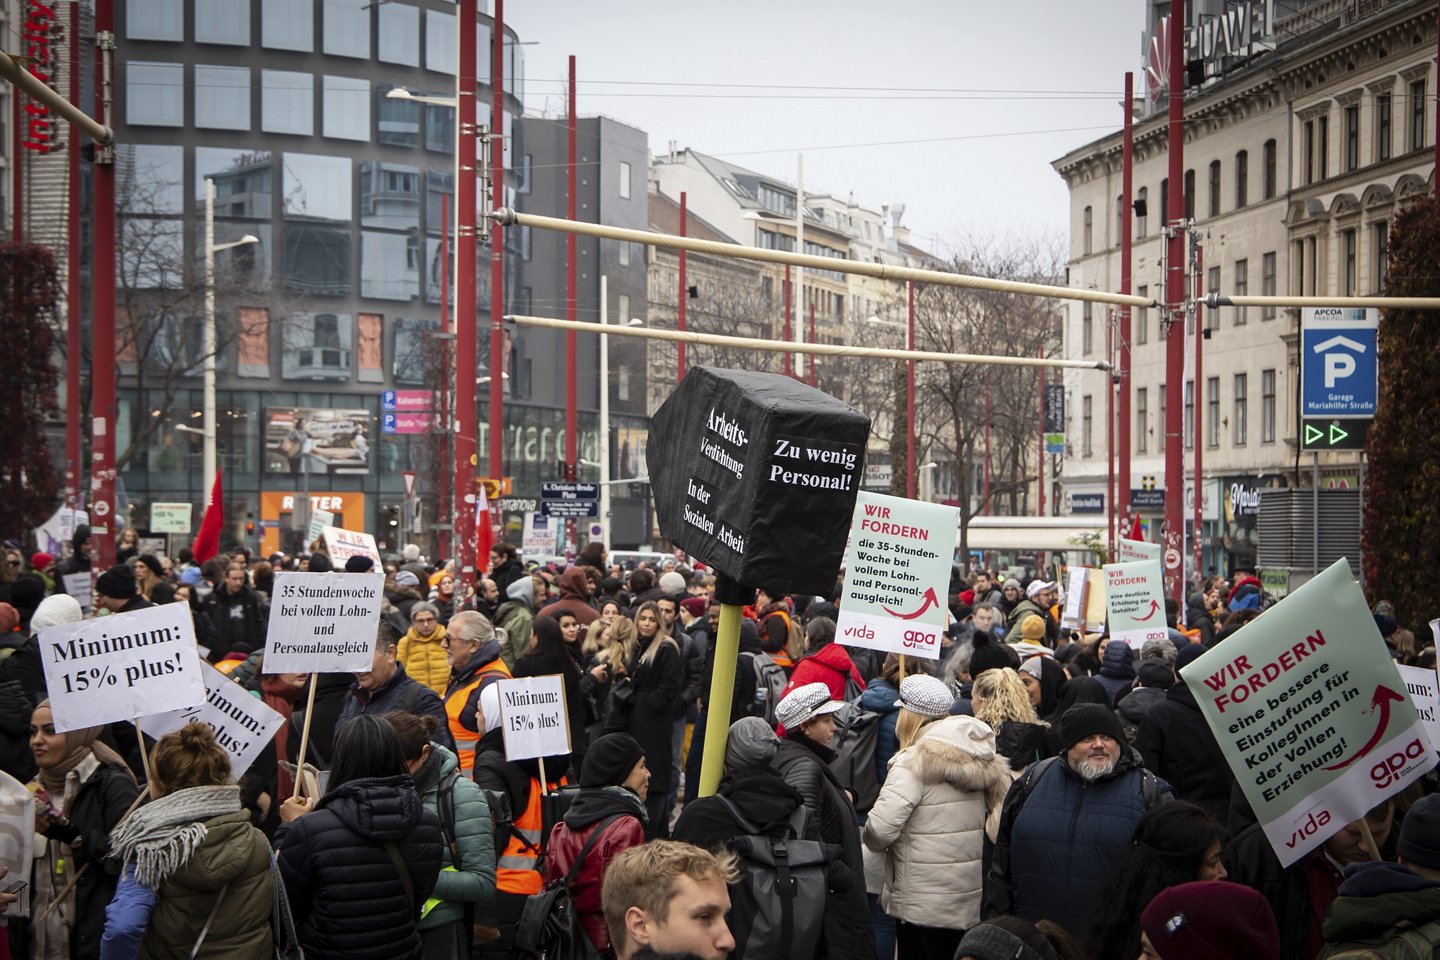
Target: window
(622, 253)
(1212, 285)
(1352, 138)
(155, 20)
(154, 94)
(1270, 171)
(1189, 428)
(1267, 283)
(623, 306)
(1141, 202)
(399, 34)
(1212, 410)
(150, 179)
(624, 180)
(1164, 203)
(1242, 179)
(1086, 230)
(1242, 410)
(347, 28)
(287, 25)
(1142, 418)
(1267, 406)
(347, 108)
(1087, 328)
(1242, 288)
(1087, 415)
(316, 346)
(222, 98)
(287, 102)
(1381, 234)
(440, 49)
(1189, 194)
(439, 128)
(1384, 125)
(318, 187)
(1350, 252)
(389, 266)
(396, 121)
(1310, 151)
(222, 21)
(1417, 114)
(1214, 188)
(1322, 146)
(1142, 318)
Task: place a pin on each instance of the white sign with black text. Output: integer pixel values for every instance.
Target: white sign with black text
(243, 724)
(534, 718)
(323, 622)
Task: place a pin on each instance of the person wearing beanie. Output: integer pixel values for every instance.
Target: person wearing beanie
(1005, 938)
(929, 821)
(117, 591)
(1011, 593)
(1067, 818)
(1117, 670)
(148, 573)
(26, 593)
(359, 563)
(1177, 744)
(1209, 920)
(969, 660)
(1153, 678)
(79, 559)
(1382, 902)
(24, 665)
(614, 783)
(41, 565)
(1039, 597)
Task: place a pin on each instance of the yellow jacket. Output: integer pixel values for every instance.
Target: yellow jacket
(424, 658)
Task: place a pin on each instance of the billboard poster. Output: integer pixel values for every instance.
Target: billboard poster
(318, 441)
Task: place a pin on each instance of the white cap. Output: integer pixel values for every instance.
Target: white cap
(805, 703)
(1036, 586)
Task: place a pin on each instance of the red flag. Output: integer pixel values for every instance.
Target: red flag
(1137, 532)
(207, 541)
(484, 532)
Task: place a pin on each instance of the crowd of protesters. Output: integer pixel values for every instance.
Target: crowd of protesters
(1035, 793)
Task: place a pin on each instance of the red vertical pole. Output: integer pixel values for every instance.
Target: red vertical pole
(1127, 242)
(1175, 338)
(910, 391)
(497, 250)
(73, 294)
(17, 185)
(447, 428)
(1040, 460)
(1110, 441)
(786, 337)
(1197, 547)
(102, 349)
(987, 443)
(465, 305)
(684, 295)
(812, 340)
(572, 294)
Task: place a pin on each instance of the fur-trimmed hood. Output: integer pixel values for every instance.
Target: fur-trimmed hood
(959, 751)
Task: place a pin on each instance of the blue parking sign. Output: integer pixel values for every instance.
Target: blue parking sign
(1339, 368)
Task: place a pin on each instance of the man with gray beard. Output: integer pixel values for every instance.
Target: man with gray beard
(1066, 818)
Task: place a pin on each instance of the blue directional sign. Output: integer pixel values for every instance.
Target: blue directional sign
(1339, 368)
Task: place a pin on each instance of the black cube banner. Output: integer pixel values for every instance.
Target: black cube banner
(756, 475)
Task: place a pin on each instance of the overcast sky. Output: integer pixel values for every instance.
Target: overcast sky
(951, 107)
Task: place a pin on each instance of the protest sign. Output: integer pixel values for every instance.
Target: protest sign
(754, 470)
(17, 828)
(1135, 601)
(1129, 551)
(344, 544)
(170, 517)
(897, 573)
(1311, 713)
(81, 586)
(319, 520)
(1420, 683)
(323, 622)
(121, 667)
(56, 535)
(533, 717)
(243, 724)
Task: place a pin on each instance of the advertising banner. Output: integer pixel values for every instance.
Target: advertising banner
(1311, 713)
(1135, 602)
(897, 573)
(317, 441)
(323, 622)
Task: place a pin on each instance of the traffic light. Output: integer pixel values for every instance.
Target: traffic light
(392, 514)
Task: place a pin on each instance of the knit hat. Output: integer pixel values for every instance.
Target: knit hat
(1387, 625)
(41, 560)
(672, 583)
(1011, 582)
(359, 563)
(925, 695)
(26, 593)
(1155, 674)
(1032, 627)
(118, 582)
(1034, 666)
(1035, 587)
(191, 576)
(609, 760)
(152, 564)
(61, 608)
(988, 654)
(803, 704)
(1086, 720)
(1211, 920)
(1159, 648)
(992, 941)
(695, 606)
(1420, 833)
(319, 563)
(406, 579)
(9, 618)
(1188, 655)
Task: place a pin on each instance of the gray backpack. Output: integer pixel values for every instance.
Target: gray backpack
(777, 907)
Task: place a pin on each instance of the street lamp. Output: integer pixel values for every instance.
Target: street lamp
(605, 409)
(208, 346)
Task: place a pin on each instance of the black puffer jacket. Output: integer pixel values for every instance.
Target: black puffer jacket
(348, 901)
(1176, 744)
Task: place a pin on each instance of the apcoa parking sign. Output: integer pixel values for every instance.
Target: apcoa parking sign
(1340, 372)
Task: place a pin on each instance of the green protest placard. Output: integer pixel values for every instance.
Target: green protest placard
(1311, 713)
(1135, 602)
(1128, 551)
(897, 572)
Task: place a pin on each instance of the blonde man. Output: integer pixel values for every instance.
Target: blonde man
(669, 897)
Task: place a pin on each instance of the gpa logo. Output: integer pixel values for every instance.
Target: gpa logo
(919, 638)
(1389, 769)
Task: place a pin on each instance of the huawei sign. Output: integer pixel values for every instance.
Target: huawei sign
(1157, 62)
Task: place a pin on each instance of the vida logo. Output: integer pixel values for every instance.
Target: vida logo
(860, 631)
(1309, 828)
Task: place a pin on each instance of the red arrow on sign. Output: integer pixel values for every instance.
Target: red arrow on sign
(930, 601)
(1384, 696)
(1154, 608)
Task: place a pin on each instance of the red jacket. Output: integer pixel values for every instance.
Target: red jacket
(560, 854)
(831, 665)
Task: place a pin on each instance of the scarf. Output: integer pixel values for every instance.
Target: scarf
(160, 837)
(81, 744)
(281, 698)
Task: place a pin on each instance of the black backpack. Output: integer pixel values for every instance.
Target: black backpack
(777, 906)
(549, 926)
(857, 737)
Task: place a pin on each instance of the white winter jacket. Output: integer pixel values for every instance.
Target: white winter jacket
(930, 821)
